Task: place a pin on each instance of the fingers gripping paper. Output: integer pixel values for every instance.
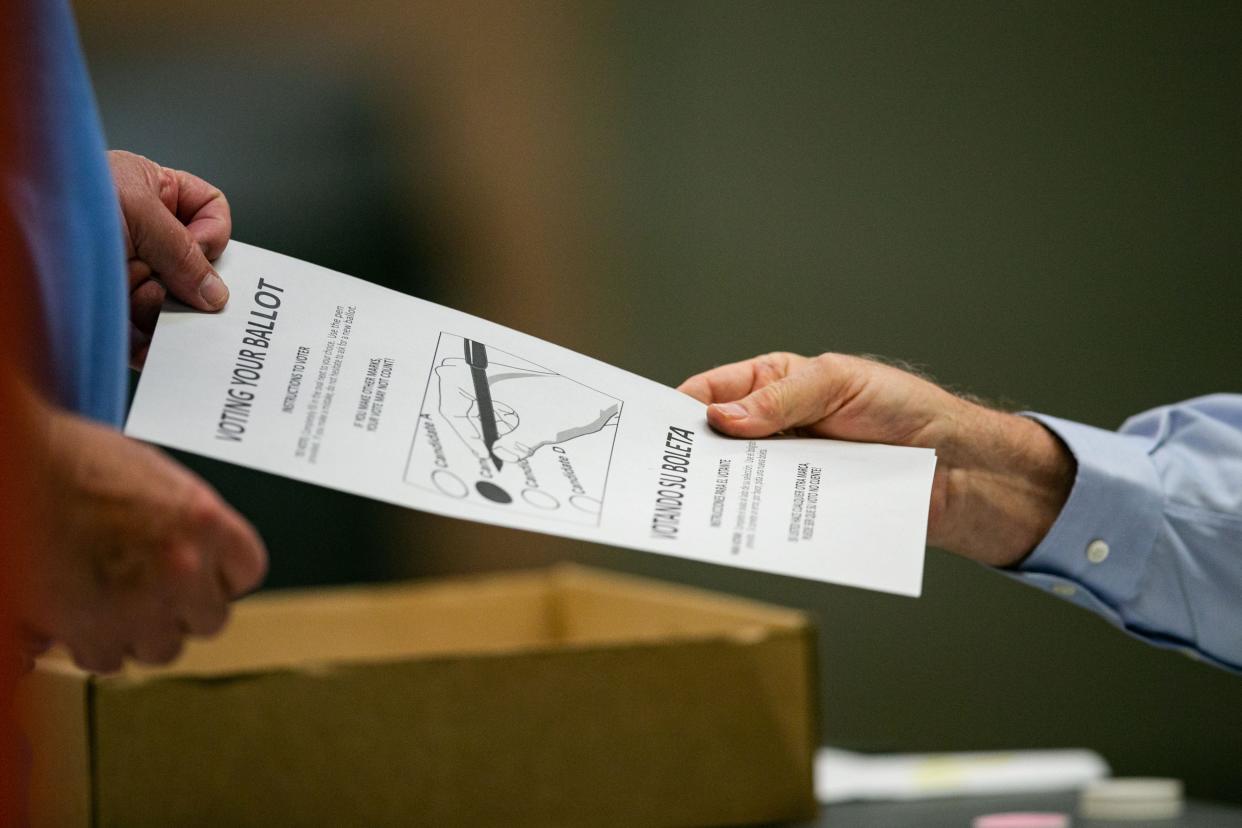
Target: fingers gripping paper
(321, 377)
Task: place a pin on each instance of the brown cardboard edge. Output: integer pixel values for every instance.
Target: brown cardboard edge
(120, 683)
(365, 592)
(761, 620)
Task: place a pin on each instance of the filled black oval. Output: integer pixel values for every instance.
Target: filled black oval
(493, 492)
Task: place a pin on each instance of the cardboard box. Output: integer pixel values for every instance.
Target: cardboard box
(556, 697)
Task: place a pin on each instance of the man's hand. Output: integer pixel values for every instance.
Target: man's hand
(175, 224)
(1001, 479)
(139, 551)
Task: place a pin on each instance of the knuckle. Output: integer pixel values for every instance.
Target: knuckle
(169, 649)
(215, 619)
(207, 615)
(771, 361)
(769, 403)
(833, 369)
(190, 259)
(202, 508)
(165, 179)
(828, 360)
(101, 658)
(181, 560)
(775, 365)
(82, 657)
(150, 172)
(158, 650)
(122, 566)
(156, 637)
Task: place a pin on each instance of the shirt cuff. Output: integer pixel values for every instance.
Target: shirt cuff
(1104, 536)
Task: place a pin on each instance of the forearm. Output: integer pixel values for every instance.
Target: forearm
(25, 511)
(1006, 478)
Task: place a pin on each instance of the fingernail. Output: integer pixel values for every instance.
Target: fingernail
(734, 411)
(213, 290)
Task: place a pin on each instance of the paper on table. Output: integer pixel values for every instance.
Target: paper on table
(842, 775)
(317, 376)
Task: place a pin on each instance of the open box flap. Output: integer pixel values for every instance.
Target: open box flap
(565, 606)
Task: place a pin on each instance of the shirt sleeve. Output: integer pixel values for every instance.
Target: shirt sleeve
(1151, 535)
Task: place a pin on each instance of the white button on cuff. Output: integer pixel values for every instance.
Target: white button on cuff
(1097, 551)
(1064, 590)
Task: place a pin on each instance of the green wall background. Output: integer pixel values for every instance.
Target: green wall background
(1039, 202)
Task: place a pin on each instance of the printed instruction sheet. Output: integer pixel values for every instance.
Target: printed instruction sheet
(321, 377)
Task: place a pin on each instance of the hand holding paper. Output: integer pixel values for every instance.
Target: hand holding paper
(320, 377)
(138, 552)
(1001, 479)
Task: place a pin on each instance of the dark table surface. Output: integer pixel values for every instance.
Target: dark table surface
(958, 813)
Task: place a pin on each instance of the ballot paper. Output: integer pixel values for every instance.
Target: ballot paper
(321, 377)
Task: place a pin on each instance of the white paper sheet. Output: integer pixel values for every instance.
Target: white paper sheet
(321, 377)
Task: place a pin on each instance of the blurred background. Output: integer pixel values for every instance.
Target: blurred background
(1039, 202)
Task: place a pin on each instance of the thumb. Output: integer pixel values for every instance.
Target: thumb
(166, 245)
(801, 398)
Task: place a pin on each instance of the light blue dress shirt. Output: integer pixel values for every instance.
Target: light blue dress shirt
(1151, 535)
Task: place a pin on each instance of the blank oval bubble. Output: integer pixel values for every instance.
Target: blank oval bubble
(493, 492)
(449, 483)
(540, 499)
(585, 503)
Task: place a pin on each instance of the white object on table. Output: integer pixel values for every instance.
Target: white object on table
(842, 775)
(1134, 798)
